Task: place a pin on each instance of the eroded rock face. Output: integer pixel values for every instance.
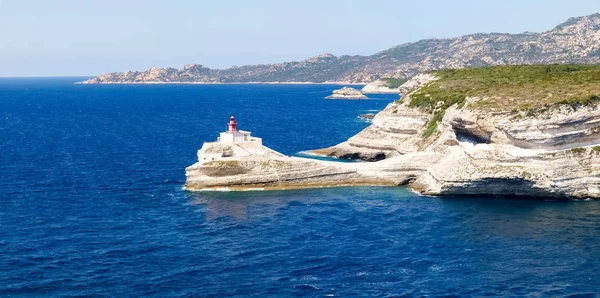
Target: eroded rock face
(473, 152)
(245, 165)
(552, 152)
(394, 131)
(284, 173)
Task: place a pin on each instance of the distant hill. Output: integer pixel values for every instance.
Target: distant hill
(575, 41)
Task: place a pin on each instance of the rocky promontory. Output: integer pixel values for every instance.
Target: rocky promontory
(508, 131)
(239, 161)
(530, 131)
(346, 93)
(368, 116)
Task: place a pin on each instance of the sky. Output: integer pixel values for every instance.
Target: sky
(86, 38)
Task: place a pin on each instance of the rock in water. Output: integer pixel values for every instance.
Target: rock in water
(346, 93)
(368, 116)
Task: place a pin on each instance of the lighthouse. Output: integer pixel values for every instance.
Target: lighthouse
(234, 144)
(233, 135)
(232, 125)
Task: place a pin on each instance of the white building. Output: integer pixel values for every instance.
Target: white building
(234, 144)
(232, 135)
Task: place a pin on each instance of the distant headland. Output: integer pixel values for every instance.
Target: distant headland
(574, 41)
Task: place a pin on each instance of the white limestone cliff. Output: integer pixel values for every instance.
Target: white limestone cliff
(554, 153)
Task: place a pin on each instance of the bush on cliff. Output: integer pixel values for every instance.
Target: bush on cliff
(508, 88)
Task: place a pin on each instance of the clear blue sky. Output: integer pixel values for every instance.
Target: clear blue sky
(79, 37)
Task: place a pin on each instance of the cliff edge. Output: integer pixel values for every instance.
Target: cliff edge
(531, 131)
(239, 161)
(507, 131)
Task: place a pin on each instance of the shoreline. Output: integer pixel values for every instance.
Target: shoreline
(220, 83)
(257, 187)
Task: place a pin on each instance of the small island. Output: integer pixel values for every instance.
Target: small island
(368, 116)
(346, 93)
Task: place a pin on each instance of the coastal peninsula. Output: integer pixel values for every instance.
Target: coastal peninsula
(503, 131)
(239, 161)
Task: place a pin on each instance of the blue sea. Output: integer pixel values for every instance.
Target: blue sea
(91, 204)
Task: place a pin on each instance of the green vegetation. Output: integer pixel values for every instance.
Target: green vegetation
(433, 124)
(596, 148)
(393, 82)
(578, 150)
(529, 88)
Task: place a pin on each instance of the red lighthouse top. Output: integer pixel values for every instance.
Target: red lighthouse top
(232, 125)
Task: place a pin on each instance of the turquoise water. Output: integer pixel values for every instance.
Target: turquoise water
(92, 205)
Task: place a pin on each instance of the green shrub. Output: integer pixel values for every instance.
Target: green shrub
(529, 88)
(520, 87)
(393, 82)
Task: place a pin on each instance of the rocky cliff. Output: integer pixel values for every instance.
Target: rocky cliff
(516, 131)
(247, 165)
(575, 41)
(529, 131)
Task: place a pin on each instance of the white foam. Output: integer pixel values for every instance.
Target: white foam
(308, 153)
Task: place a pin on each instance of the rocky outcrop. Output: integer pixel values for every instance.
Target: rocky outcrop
(346, 93)
(276, 174)
(441, 139)
(236, 163)
(575, 41)
(394, 131)
(552, 153)
(367, 117)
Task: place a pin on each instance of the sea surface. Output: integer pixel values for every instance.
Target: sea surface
(91, 204)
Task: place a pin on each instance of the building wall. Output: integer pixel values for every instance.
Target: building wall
(226, 138)
(237, 137)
